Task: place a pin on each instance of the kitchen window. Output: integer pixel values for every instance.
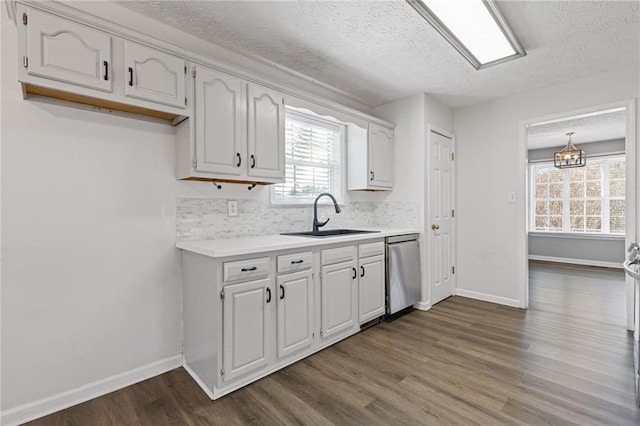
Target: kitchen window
(312, 159)
(588, 199)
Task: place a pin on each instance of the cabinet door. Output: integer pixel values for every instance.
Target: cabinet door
(65, 51)
(371, 288)
(338, 298)
(266, 133)
(295, 298)
(220, 121)
(380, 156)
(153, 75)
(246, 321)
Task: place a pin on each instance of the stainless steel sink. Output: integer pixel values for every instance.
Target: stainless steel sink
(328, 233)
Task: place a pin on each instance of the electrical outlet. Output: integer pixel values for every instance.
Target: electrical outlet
(232, 208)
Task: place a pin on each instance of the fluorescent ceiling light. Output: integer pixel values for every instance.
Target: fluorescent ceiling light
(476, 28)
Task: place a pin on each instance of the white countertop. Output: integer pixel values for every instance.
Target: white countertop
(251, 245)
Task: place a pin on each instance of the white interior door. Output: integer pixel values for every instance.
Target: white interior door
(441, 214)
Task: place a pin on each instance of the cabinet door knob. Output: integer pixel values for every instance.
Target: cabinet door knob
(434, 226)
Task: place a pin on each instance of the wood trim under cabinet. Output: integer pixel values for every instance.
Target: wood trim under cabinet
(31, 89)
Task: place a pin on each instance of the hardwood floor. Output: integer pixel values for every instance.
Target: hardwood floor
(566, 360)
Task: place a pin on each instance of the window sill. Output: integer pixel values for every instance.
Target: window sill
(586, 236)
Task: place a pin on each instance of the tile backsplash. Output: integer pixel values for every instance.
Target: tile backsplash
(200, 218)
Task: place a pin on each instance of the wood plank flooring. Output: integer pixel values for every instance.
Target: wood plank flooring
(566, 360)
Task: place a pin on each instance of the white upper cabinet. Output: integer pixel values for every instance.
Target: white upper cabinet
(370, 158)
(266, 132)
(380, 156)
(220, 123)
(65, 51)
(154, 76)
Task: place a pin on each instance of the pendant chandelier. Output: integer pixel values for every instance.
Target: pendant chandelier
(570, 156)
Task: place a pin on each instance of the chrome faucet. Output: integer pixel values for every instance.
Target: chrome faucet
(317, 225)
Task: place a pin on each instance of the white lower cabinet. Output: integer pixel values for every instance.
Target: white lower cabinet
(338, 298)
(339, 291)
(248, 316)
(294, 307)
(246, 323)
(371, 288)
(371, 281)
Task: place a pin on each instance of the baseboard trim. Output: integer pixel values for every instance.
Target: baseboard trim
(422, 306)
(45, 406)
(576, 261)
(488, 298)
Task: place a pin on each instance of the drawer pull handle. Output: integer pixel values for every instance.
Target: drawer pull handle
(282, 292)
(106, 69)
(372, 176)
(361, 271)
(294, 262)
(253, 161)
(130, 76)
(239, 159)
(268, 295)
(253, 268)
(355, 274)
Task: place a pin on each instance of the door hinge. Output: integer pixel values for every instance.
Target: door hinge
(320, 274)
(453, 269)
(25, 62)
(193, 72)
(321, 332)
(313, 335)
(185, 69)
(453, 156)
(222, 295)
(222, 372)
(24, 18)
(453, 213)
(195, 163)
(185, 101)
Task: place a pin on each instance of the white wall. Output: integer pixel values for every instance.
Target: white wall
(90, 272)
(487, 135)
(411, 115)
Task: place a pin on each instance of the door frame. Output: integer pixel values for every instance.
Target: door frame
(631, 195)
(427, 263)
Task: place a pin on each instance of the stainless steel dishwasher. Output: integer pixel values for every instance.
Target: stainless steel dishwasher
(403, 272)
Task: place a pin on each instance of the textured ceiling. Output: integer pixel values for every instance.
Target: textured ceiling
(383, 50)
(590, 128)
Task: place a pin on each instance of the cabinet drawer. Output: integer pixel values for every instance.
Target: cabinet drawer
(336, 255)
(295, 262)
(371, 249)
(246, 269)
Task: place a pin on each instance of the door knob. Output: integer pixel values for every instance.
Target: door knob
(434, 226)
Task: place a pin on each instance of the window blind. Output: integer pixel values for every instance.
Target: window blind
(312, 149)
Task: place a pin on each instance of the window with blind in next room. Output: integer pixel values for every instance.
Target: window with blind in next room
(312, 159)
